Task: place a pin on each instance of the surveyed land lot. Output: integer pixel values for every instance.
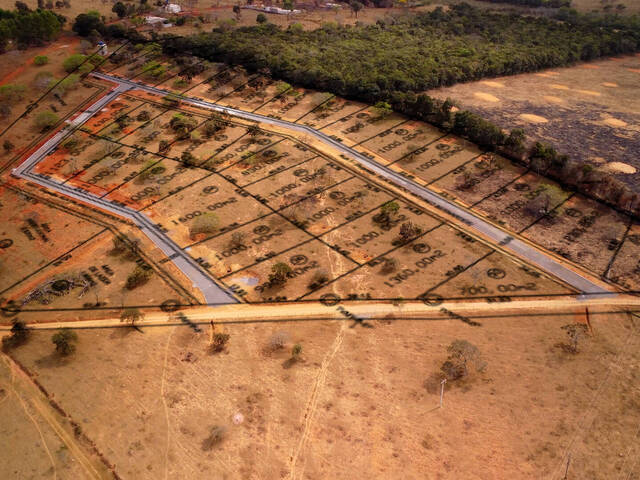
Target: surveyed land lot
(240, 200)
(249, 199)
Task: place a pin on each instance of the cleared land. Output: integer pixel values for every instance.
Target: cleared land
(305, 419)
(588, 111)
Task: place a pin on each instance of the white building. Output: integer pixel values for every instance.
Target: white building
(102, 49)
(172, 8)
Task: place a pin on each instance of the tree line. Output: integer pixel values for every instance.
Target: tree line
(27, 27)
(535, 3)
(395, 60)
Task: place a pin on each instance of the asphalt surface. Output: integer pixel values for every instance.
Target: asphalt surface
(474, 222)
(213, 293)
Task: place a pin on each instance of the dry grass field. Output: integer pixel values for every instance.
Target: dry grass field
(359, 402)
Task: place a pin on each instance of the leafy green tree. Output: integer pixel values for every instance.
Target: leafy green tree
(279, 273)
(261, 18)
(139, 276)
(208, 222)
(19, 335)
(356, 7)
(46, 120)
(40, 60)
(85, 23)
(131, 315)
(383, 109)
(65, 341)
(390, 208)
(72, 62)
(119, 9)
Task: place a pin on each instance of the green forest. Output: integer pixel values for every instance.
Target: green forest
(28, 27)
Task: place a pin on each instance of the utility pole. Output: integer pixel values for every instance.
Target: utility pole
(442, 390)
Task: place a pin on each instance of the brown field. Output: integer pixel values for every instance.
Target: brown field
(359, 403)
(589, 111)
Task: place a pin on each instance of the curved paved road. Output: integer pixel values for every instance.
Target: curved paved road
(213, 293)
(518, 247)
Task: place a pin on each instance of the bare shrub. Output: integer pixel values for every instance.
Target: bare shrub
(576, 332)
(277, 341)
(216, 436)
(463, 355)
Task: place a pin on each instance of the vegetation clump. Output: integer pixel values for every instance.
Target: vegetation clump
(19, 336)
(65, 341)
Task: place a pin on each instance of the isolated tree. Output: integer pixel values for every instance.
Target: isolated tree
(208, 222)
(46, 120)
(261, 18)
(463, 355)
(40, 60)
(120, 9)
(131, 316)
(138, 277)
(188, 159)
(7, 145)
(216, 435)
(72, 62)
(253, 131)
(356, 7)
(296, 352)
(238, 11)
(576, 332)
(64, 340)
(19, 335)
(143, 116)
(390, 208)
(279, 272)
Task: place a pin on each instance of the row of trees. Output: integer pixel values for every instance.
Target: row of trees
(28, 27)
(535, 3)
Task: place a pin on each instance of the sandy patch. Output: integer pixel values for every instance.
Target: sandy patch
(486, 96)
(589, 92)
(532, 118)
(593, 67)
(552, 99)
(614, 122)
(557, 86)
(597, 160)
(493, 84)
(610, 85)
(634, 70)
(620, 167)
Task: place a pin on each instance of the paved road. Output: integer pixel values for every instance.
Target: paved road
(473, 221)
(213, 293)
